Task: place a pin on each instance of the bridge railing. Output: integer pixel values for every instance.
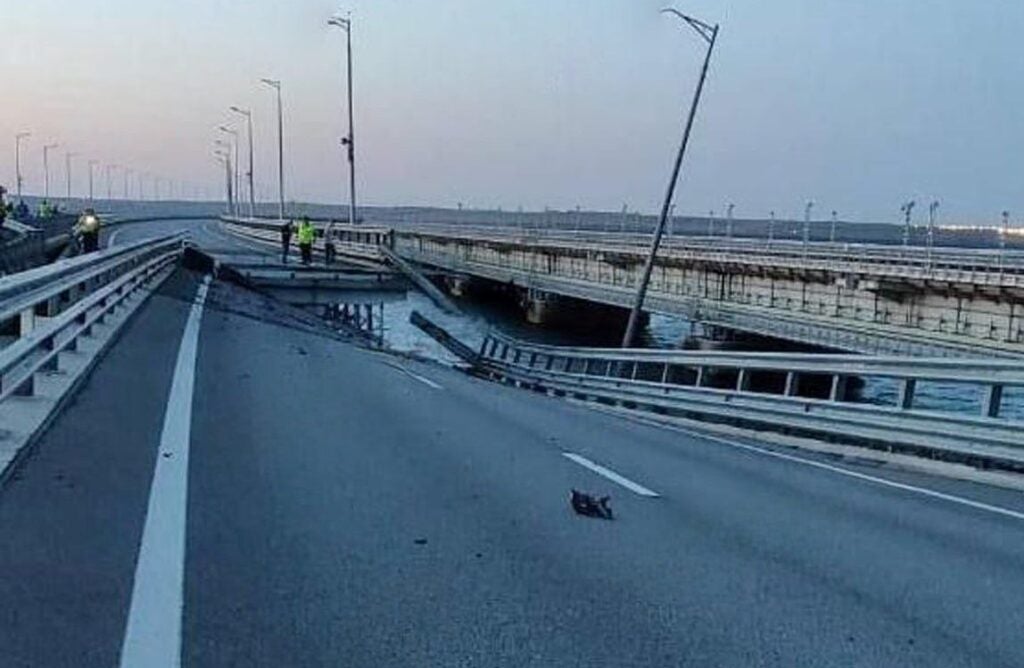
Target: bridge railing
(802, 393)
(973, 265)
(46, 311)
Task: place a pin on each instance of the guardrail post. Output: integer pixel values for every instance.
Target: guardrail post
(700, 377)
(838, 392)
(743, 380)
(993, 401)
(27, 321)
(792, 384)
(664, 374)
(48, 344)
(905, 400)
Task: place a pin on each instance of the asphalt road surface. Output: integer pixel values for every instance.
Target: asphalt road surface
(236, 487)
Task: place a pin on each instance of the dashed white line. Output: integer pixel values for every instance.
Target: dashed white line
(892, 484)
(634, 487)
(415, 376)
(153, 633)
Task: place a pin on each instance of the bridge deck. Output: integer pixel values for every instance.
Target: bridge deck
(345, 508)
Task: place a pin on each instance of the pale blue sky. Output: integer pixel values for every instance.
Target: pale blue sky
(857, 105)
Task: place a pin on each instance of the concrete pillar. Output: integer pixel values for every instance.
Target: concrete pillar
(905, 400)
(993, 401)
(838, 392)
(792, 384)
(743, 381)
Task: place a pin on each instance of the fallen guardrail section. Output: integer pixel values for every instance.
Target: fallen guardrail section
(763, 391)
(55, 323)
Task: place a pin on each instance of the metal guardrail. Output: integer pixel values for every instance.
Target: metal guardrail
(45, 311)
(764, 391)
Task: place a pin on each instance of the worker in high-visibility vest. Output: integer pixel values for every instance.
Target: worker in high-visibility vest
(306, 235)
(88, 229)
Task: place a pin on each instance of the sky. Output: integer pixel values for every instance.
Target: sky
(858, 106)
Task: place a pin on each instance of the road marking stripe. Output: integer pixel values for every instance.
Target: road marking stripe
(153, 632)
(914, 489)
(414, 376)
(636, 488)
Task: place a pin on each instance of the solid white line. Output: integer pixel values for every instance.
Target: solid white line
(414, 376)
(914, 489)
(153, 633)
(611, 475)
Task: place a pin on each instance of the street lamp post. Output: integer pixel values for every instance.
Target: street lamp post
(711, 223)
(252, 188)
(1003, 232)
(92, 168)
(46, 169)
(907, 211)
(807, 225)
(709, 34)
(932, 209)
(237, 174)
(349, 141)
(225, 158)
(127, 179)
(276, 85)
(771, 228)
(728, 220)
(19, 180)
(110, 186)
(67, 170)
(832, 232)
(225, 148)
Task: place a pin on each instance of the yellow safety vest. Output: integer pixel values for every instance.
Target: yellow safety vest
(306, 233)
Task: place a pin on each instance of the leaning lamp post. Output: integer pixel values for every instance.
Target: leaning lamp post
(709, 34)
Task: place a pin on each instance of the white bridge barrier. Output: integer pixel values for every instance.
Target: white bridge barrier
(55, 322)
(763, 390)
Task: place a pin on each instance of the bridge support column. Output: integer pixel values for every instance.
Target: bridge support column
(993, 401)
(838, 392)
(792, 384)
(905, 400)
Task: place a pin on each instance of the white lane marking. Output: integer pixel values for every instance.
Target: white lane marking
(153, 632)
(636, 488)
(914, 489)
(414, 376)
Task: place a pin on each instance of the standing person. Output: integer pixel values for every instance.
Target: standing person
(306, 236)
(286, 241)
(88, 228)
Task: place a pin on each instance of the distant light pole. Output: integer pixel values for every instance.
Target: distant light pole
(672, 221)
(238, 177)
(932, 210)
(68, 156)
(46, 169)
(728, 221)
(252, 188)
(276, 85)
(349, 141)
(225, 159)
(771, 228)
(1003, 233)
(142, 186)
(19, 180)
(711, 223)
(907, 209)
(832, 232)
(127, 180)
(807, 225)
(226, 148)
(92, 169)
(110, 186)
(709, 34)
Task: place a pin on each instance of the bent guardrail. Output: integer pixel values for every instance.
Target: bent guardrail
(763, 390)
